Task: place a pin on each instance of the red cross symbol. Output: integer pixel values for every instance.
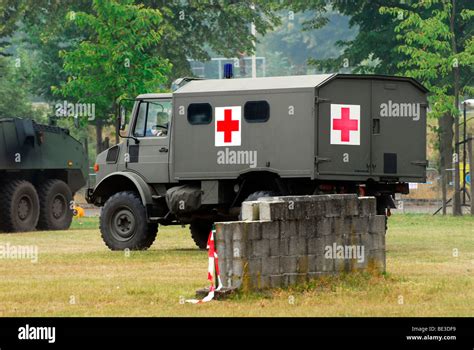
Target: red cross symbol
(227, 125)
(345, 124)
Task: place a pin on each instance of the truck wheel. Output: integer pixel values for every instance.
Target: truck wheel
(19, 207)
(123, 223)
(55, 201)
(200, 232)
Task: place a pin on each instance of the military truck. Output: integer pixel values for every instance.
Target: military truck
(41, 167)
(194, 155)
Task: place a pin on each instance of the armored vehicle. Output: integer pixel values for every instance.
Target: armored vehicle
(194, 155)
(41, 167)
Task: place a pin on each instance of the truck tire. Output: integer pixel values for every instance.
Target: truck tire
(19, 207)
(55, 202)
(200, 232)
(123, 223)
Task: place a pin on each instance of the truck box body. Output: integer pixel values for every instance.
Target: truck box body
(329, 127)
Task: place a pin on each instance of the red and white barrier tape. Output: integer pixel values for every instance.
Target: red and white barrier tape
(212, 272)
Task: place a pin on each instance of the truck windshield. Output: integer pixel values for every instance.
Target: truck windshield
(153, 118)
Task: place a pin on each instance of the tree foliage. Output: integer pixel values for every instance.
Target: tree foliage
(117, 59)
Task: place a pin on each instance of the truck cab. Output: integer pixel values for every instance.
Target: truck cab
(194, 155)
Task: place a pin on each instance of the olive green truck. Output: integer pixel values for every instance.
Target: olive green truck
(194, 155)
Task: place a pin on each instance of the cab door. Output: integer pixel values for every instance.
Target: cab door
(150, 156)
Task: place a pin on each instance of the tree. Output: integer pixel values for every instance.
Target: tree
(191, 29)
(116, 60)
(434, 54)
(288, 47)
(10, 12)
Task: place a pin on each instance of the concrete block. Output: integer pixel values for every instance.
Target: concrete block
(254, 266)
(261, 248)
(240, 233)
(274, 247)
(237, 267)
(228, 249)
(324, 226)
(297, 246)
(366, 241)
(296, 278)
(302, 264)
(316, 275)
(224, 271)
(334, 206)
(220, 246)
(284, 281)
(341, 226)
(367, 206)
(288, 264)
(288, 229)
(377, 261)
(352, 205)
(284, 246)
(341, 265)
(316, 246)
(378, 241)
(270, 229)
(307, 227)
(276, 281)
(224, 230)
(250, 211)
(273, 210)
(313, 263)
(239, 249)
(360, 224)
(253, 230)
(265, 282)
(270, 266)
(377, 224)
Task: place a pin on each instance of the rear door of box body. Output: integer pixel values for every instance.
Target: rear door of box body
(360, 133)
(343, 128)
(399, 130)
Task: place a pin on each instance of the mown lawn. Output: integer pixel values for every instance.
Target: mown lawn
(430, 272)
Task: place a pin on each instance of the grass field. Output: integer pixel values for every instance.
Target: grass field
(430, 272)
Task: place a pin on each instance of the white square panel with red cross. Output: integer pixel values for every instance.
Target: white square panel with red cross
(228, 129)
(345, 124)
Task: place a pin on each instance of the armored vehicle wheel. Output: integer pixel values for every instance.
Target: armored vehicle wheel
(123, 223)
(55, 202)
(19, 207)
(200, 232)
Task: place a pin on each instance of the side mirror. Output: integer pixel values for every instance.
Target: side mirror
(122, 120)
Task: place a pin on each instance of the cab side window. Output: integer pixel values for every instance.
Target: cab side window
(153, 119)
(139, 130)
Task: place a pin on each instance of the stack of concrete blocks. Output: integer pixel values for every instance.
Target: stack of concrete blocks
(283, 241)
